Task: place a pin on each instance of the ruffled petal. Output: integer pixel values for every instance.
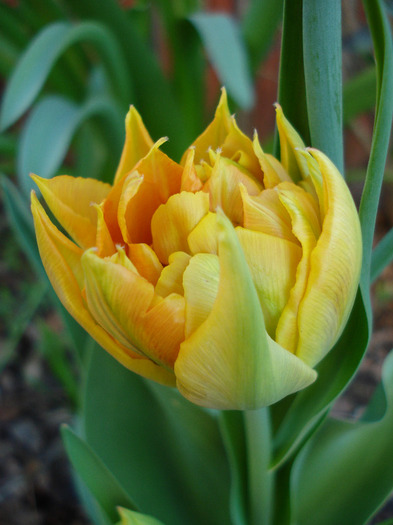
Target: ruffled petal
(124, 304)
(265, 213)
(70, 199)
(230, 362)
(145, 261)
(306, 227)
(224, 188)
(273, 263)
(273, 171)
(189, 179)
(171, 278)
(200, 282)
(204, 237)
(173, 221)
(137, 144)
(334, 269)
(62, 262)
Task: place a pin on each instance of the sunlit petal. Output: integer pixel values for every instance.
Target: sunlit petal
(204, 237)
(171, 278)
(146, 261)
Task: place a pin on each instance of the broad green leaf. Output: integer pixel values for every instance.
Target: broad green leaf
(292, 91)
(48, 132)
(297, 422)
(345, 472)
(382, 255)
(382, 40)
(323, 77)
(37, 61)
(166, 452)
(130, 517)
(226, 51)
(259, 25)
(95, 474)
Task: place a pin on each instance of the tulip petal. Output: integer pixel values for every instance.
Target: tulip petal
(224, 188)
(61, 259)
(145, 261)
(104, 243)
(306, 227)
(171, 278)
(265, 213)
(204, 237)
(173, 221)
(334, 269)
(155, 178)
(273, 263)
(124, 304)
(215, 134)
(137, 144)
(189, 179)
(70, 199)
(230, 362)
(273, 170)
(200, 282)
(290, 143)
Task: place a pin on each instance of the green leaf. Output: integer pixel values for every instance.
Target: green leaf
(259, 24)
(292, 91)
(382, 40)
(48, 132)
(94, 473)
(225, 48)
(382, 255)
(166, 452)
(310, 406)
(129, 517)
(37, 61)
(345, 472)
(323, 77)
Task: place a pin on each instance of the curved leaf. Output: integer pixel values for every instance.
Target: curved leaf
(49, 130)
(345, 472)
(35, 65)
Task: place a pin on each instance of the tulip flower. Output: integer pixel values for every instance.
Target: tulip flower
(230, 274)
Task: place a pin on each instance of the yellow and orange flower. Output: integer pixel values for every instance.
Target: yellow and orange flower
(230, 275)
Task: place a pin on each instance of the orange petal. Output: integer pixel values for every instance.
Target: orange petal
(145, 261)
(70, 199)
(61, 259)
(137, 144)
(104, 243)
(189, 179)
(173, 221)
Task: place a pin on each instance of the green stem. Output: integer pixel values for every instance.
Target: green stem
(260, 480)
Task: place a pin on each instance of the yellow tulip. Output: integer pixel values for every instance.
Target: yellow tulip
(230, 275)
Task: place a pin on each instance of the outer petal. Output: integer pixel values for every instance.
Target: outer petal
(335, 269)
(125, 305)
(230, 362)
(137, 144)
(61, 259)
(70, 199)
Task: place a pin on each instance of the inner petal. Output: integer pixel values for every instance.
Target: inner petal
(173, 221)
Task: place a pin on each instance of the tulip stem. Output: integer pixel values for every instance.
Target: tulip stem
(260, 480)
